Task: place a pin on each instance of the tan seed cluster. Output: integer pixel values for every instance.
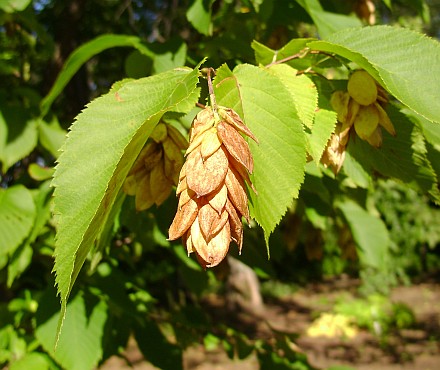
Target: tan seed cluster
(211, 189)
(359, 109)
(156, 170)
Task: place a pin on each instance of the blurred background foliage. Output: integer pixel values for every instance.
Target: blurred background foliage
(147, 284)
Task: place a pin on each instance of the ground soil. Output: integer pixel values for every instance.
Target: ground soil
(417, 348)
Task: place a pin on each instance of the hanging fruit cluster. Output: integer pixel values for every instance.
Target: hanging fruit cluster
(211, 189)
(361, 107)
(156, 170)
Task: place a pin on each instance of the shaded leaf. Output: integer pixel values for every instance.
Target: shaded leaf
(156, 348)
(327, 22)
(81, 55)
(17, 215)
(18, 135)
(51, 136)
(369, 232)
(80, 344)
(199, 15)
(402, 157)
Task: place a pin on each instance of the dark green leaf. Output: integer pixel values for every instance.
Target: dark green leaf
(156, 348)
(82, 55)
(17, 215)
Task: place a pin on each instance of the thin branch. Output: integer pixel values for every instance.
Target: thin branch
(302, 53)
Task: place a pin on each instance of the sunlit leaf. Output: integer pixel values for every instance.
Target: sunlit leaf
(100, 149)
(268, 109)
(398, 58)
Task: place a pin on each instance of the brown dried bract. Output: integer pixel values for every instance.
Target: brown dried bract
(211, 189)
(156, 169)
(360, 110)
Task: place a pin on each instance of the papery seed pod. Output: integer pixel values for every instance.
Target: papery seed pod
(154, 158)
(231, 117)
(375, 139)
(384, 120)
(362, 87)
(362, 107)
(236, 145)
(183, 220)
(339, 101)
(365, 9)
(366, 121)
(210, 144)
(177, 137)
(217, 199)
(334, 153)
(157, 167)
(130, 185)
(144, 199)
(211, 188)
(160, 132)
(206, 176)
(353, 110)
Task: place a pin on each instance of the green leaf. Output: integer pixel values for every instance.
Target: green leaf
(169, 55)
(199, 15)
(302, 89)
(82, 55)
(327, 22)
(12, 6)
(431, 133)
(17, 215)
(18, 135)
(264, 55)
(319, 123)
(268, 109)
(39, 173)
(80, 345)
(156, 348)
(51, 136)
(369, 233)
(22, 256)
(19, 262)
(356, 174)
(138, 65)
(31, 361)
(398, 58)
(100, 149)
(402, 157)
(323, 127)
